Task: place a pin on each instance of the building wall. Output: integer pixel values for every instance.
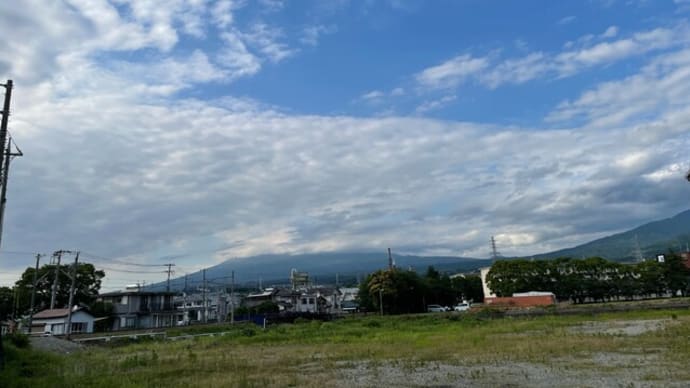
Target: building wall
(521, 301)
(57, 326)
(487, 291)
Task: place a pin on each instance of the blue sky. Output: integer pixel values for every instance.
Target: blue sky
(206, 130)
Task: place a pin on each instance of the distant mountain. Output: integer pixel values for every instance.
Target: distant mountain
(275, 269)
(653, 238)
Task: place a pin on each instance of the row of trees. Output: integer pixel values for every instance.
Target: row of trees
(16, 301)
(592, 279)
(403, 291)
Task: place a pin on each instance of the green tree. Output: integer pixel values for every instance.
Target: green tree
(400, 291)
(88, 283)
(6, 302)
(675, 274)
(468, 287)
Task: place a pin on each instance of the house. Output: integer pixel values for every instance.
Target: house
(54, 321)
(191, 307)
(136, 309)
(8, 326)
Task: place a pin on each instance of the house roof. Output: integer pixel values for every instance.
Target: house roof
(58, 313)
(51, 313)
(146, 293)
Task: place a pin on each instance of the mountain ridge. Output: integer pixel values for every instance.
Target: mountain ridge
(653, 237)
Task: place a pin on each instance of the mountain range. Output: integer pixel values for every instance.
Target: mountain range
(347, 267)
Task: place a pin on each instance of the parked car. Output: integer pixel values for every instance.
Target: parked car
(435, 308)
(464, 306)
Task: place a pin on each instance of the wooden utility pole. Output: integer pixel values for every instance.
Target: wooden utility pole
(203, 292)
(53, 292)
(33, 293)
(71, 296)
(169, 271)
(232, 298)
(3, 137)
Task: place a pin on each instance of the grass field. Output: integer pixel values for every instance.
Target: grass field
(628, 349)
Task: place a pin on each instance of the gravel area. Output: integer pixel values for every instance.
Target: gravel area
(636, 368)
(55, 345)
(510, 374)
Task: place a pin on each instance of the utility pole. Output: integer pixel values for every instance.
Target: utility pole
(3, 137)
(53, 292)
(381, 300)
(7, 151)
(232, 298)
(169, 271)
(185, 317)
(203, 293)
(71, 296)
(33, 293)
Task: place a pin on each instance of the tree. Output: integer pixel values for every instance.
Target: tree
(6, 302)
(400, 291)
(468, 287)
(87, 285)
(675, 274)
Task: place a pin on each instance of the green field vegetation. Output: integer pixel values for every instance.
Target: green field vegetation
(317, 353)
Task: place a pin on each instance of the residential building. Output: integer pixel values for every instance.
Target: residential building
(191, 308)
(136, 309)
(54, 321)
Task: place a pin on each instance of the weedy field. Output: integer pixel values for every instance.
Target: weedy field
(626, 349)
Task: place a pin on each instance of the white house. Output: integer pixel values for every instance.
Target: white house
(54, 321)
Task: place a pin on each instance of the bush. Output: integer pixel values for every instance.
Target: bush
(19, 340)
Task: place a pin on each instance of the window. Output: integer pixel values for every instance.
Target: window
(78, 327)
(304, 300)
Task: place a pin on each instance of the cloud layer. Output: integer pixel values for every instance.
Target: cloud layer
(121, 163)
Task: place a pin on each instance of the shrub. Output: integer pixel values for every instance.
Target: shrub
(19, 340)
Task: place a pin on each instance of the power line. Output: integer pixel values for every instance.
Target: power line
(121, 262)
(126, 270)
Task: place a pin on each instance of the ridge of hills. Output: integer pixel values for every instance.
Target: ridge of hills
(347, 267)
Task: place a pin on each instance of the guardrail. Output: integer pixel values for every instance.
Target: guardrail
(108, 338)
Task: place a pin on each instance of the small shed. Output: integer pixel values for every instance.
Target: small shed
(54, 321)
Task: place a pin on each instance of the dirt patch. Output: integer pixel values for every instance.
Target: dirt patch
(561, 373)
(628, 328)
(55, 345)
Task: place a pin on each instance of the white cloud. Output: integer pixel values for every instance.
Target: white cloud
(312, 34)
(146, 172)
(567, 20)
(610, 32)
(235, 56)
(451, 73)
(588, 52)
(266, 40)
(436, 104)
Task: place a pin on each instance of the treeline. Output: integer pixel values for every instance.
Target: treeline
(593, 279)
(403, 292)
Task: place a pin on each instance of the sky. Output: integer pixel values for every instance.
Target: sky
(198, 131)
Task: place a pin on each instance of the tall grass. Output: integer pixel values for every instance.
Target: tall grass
(312, 353)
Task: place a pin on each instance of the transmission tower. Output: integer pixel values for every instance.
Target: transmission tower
(494, 253)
